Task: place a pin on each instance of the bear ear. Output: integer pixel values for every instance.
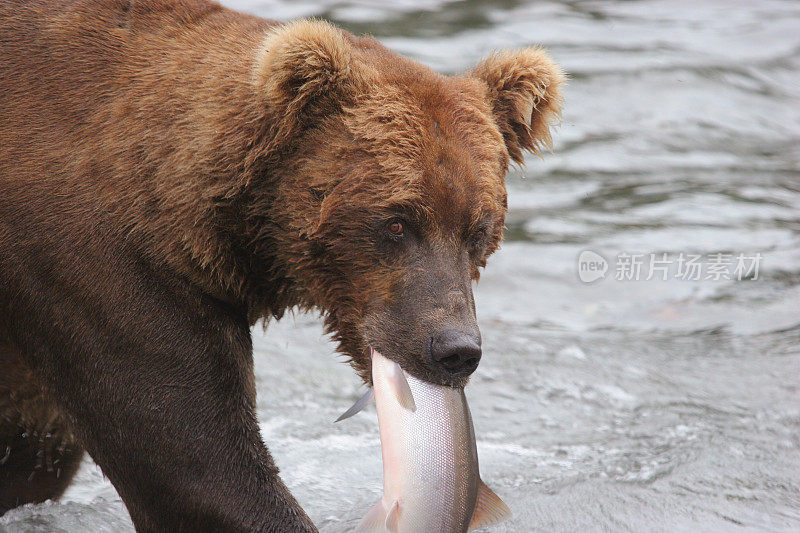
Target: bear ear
(304, 70)
(525, 97)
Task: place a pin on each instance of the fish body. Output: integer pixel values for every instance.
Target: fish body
(431, 481)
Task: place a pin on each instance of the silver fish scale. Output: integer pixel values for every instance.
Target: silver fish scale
(441, 443)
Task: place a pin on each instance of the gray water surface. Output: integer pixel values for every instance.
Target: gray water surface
(620, 405)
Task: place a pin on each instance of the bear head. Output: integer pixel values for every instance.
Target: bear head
(389, 193)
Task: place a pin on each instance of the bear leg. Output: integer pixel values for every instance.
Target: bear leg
(38, 452)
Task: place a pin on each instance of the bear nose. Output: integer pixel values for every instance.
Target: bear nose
(455, 352)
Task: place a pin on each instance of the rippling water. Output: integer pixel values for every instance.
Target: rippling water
(617, 405)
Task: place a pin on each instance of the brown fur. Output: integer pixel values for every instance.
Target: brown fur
(172, 171)
(45, 453)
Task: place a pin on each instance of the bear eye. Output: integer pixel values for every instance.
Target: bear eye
(477, 238)
(396, 228)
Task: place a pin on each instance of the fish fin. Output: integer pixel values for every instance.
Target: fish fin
(374, 521)
(360, 404)
(399, 385)
(392, 522)
(489, 508)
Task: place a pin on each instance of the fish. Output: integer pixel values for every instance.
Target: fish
(431, 480)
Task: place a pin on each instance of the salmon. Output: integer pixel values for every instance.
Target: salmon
(431, 481)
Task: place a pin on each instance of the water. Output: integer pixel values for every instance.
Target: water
(618, 405)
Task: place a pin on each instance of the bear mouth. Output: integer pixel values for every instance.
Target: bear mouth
(417, 367)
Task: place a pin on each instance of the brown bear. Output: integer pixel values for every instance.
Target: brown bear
(172, 171)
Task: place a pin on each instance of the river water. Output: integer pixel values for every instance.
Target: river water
(659, 397)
